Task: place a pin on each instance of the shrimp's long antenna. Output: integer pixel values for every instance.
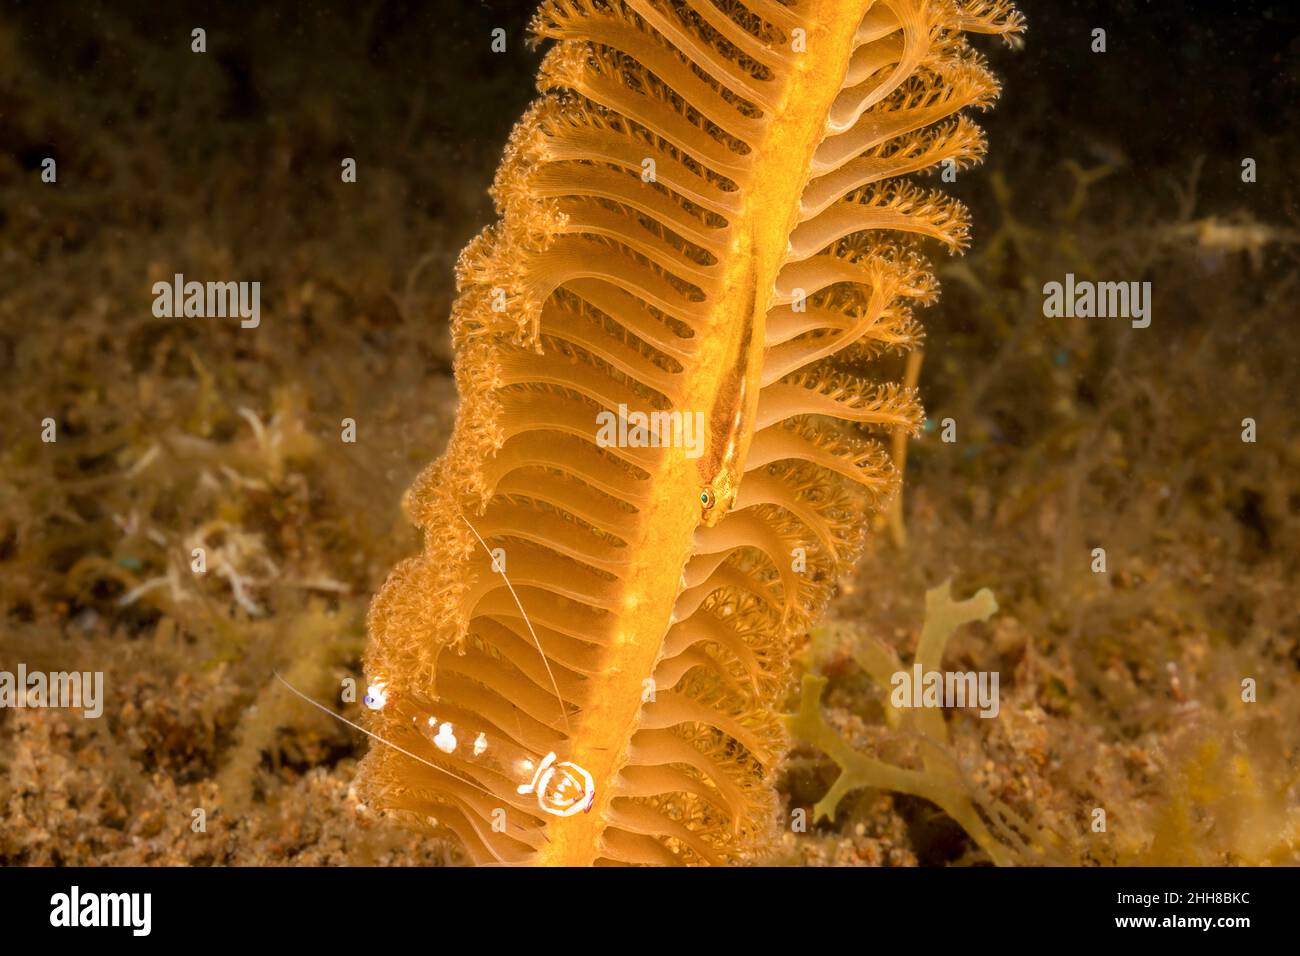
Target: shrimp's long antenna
(317, 704)
(564, 711)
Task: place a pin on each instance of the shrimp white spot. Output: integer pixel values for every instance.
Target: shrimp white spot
(446, 740)
(525, 766)
(480, 744)
(377, 695)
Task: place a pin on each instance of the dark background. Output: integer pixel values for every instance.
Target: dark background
(414, 88)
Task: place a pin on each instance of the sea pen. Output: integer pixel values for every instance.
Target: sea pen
(707, 213)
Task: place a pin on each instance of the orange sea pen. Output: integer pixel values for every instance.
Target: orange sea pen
(703, 218)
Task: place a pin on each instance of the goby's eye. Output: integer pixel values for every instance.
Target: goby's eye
(706, 498)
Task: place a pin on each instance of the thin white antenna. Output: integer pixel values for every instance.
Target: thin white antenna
(564, 711)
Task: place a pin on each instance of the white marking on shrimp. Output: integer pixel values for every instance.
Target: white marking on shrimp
(402, 750)
(446, 740)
